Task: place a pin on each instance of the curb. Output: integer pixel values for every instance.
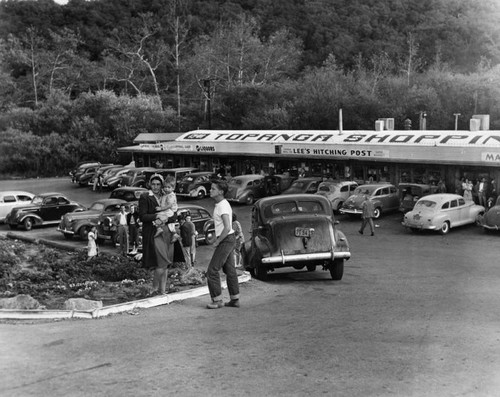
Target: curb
(12, 314)
(7, 314)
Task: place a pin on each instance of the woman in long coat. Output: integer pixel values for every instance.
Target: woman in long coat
(157, 252)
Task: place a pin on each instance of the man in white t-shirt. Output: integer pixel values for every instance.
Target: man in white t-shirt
(222, 257)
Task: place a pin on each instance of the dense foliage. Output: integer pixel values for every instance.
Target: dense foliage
(81, 79)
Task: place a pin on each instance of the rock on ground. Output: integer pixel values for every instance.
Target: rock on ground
(18, 302)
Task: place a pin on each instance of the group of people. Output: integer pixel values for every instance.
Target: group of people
(482, 192)
(162, 248)
(163, 244)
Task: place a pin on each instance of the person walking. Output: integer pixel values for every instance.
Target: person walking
(133, 223)
(367, 216)
(223, 257)
(122, 230)
(188, 236)
(157, 251)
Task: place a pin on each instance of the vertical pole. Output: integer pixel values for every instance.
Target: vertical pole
(456, 120)
(340, 122)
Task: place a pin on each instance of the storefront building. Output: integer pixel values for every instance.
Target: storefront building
(392, 156)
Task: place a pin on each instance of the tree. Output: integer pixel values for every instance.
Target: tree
(178, 27)
(138, 52)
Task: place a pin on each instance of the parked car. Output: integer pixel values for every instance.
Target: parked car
(384, 196)
(128, 193)
(102, 171)
(441, 212)
(196, 184)
(491, 218)
(295, 231)
(11, 199)
(84, 169)
(176, 173)
(78, 169)
(277, 183)
(79, 223)
(202, 220)
(113, 178)
(304, 185)
(410, 193)
(136, 177)
(337, 192)
(245, 189)
(44, 209)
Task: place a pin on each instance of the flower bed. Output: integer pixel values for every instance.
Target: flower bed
(52, 276)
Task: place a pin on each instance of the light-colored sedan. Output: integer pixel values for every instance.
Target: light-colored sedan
(337, 192)
(11, 199)
(441, 212)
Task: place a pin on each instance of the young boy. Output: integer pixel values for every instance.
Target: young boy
(167, 209)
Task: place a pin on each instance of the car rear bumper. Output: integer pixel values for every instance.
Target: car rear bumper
(419, 226)
(318, 256)
(350, 211)
(65, 231)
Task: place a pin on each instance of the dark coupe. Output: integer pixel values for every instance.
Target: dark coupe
(295, 231)
(44, 209)
(79, 223)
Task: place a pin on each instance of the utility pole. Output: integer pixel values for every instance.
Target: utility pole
(456, 120)
(423, 120)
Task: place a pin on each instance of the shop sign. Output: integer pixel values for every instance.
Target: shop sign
(328, 152)
(491, 157)
(429, 138)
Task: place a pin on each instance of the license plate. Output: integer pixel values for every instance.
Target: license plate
(303, 232)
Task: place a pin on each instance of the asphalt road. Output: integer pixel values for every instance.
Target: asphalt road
(414, 315)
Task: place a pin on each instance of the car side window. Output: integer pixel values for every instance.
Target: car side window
(50, 201)
(62, 201)
(344, 188)
(445, 206)
(453, 203)
(9, 199)
(461, 202)
(393, 190)
(195, 214)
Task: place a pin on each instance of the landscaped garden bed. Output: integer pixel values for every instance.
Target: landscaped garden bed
(52, 276)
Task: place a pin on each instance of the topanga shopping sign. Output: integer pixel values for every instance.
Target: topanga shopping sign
(418, 138)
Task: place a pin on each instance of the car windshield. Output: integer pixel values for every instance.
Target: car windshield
(37, 200)
(425, 204)
(298, 185)
(97, 207)
(364, 190)
(305, 207)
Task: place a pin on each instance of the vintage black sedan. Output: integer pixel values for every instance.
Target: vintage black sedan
(79, 223)
(44, 209)
(490, 221)
(295, 231)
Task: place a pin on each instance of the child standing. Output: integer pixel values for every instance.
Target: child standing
(167, 209)
(92, 246)
(240, 239)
